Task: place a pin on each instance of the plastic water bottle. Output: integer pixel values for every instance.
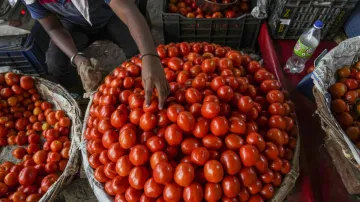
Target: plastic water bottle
(304, 49)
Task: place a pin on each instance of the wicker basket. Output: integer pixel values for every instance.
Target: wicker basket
(287, 184)
(61, 99)
(346, 156)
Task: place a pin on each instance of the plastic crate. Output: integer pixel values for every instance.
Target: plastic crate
(29, 58)
(290, 18)
(239, 33)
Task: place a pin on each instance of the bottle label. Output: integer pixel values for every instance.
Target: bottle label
(303, 51)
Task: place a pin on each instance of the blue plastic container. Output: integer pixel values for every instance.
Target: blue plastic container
(30, 58)
(352, 25)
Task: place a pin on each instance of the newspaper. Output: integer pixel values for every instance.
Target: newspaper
(346, 53)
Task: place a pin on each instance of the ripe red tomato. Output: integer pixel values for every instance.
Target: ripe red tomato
(27, 176)
(249, 155)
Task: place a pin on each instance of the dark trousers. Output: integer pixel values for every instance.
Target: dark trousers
(59, 64)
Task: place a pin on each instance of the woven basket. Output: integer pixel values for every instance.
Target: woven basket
(287, 184)
(61, 99)
(331, 127)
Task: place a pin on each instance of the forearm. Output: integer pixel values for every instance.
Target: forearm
(63, 40)
(127, 11)
(59, 35)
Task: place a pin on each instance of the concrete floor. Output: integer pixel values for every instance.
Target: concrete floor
(111, 56)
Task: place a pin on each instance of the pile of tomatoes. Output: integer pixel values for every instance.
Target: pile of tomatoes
(345, 103)
(25, 121)
(227, 130)
(190, 9)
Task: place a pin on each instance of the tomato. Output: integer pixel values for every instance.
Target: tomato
(231, 162)
(33, 197)
(182, 77)
(155, 144)
(53, 157)
(192, 95)
(225, 93)
(109, 137)
(132, 194)
(119, 185)
(139, 155)
(249, 155)
(210, 110)
(213, 171)
(123, 166)
(11, 179)
(100, 175)
(199, 82)
(114, 151)
(152, 189)
(17, 196)
(186, 121)
(173, 135)
(245, 104)
(277, 121)
(200, 155)
(19, 152)
(231, 186)
(138, 176)
(109, 170)
(173, 111)
(350, 97)
(208, 66)
(193, 193)
(256, 140)
(11, 78)
(262, 165)
(212, 142)
(219, 126)
(172, 192)
(27, 176)
(147, 121)
(32, 148)
(3, 189)
(48, 181)
(94, 160)
(135, 115)
(163, 172)
(175, 64)
(234, 142)
(271, 151)
(237, 126)
(201, 128)
(118, 118)
(217, 82)
(184, 174)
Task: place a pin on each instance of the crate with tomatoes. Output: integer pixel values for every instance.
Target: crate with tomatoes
(227, 131)
(225, 22)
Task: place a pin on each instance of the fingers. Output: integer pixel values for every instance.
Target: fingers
(149, 87)
(163, 88)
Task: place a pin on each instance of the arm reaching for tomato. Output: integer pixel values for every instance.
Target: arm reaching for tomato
(153, 74)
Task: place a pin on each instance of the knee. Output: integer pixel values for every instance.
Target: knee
(56, 63)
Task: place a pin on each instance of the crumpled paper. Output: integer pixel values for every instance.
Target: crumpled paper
(260, 10)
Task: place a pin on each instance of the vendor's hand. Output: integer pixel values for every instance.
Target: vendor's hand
(153, 75)
(89, 71)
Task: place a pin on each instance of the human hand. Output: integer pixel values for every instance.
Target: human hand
(153, 75)
(90, 72)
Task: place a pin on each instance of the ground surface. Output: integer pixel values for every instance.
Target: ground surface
(111, 56)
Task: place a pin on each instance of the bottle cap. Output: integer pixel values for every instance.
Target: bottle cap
(318, 24)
